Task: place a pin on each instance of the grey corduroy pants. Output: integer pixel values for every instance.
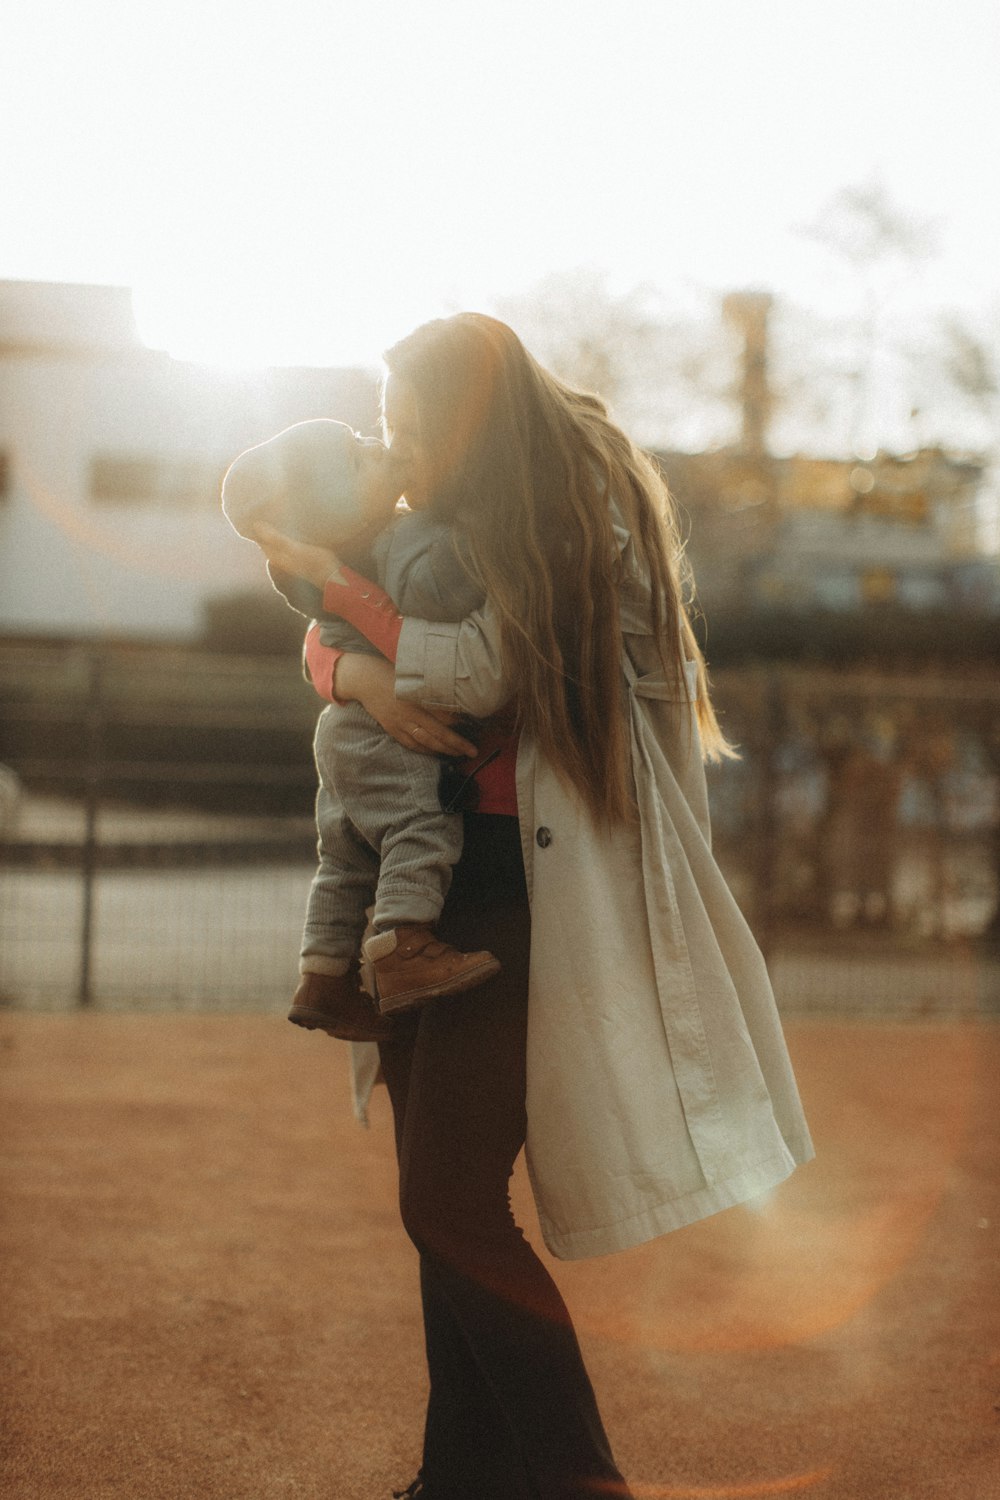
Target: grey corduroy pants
(382, 838)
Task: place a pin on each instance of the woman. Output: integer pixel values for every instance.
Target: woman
(633, 1042)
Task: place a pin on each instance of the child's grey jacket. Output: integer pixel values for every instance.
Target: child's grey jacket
(416, 561)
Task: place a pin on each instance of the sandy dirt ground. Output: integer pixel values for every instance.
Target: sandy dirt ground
(206, 1291)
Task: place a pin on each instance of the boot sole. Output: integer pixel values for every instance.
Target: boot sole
(314, 1020)
(412, 999)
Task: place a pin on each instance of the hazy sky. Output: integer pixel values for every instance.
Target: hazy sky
(308, 180)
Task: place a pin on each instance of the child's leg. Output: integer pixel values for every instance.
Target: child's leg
(391, 796)
(341, 892)
(329, 996)
(411, 963)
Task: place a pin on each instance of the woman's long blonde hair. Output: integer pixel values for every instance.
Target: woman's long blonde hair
(523, 467)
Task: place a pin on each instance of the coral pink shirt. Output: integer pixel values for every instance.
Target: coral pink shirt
(369, 609)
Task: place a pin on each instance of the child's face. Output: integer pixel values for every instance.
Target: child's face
(316, 481)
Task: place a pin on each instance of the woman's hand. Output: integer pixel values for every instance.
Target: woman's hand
(301, 559)
(371, 681)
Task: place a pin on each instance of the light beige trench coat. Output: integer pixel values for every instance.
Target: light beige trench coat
(659, 1087)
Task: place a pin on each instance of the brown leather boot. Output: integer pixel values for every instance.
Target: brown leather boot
(412, 965)
(336, 1004)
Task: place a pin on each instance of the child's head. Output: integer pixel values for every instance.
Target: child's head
(318, 482)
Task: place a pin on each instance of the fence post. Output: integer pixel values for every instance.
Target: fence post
(770, 725)
(93, 755)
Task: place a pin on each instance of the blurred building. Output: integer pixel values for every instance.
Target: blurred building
(803, 535)
(111, 455)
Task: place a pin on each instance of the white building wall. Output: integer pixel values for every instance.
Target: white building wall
(74, 565)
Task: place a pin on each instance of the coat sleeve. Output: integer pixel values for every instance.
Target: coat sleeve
(454, 666)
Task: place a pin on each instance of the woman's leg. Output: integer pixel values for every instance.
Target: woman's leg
(501, 1348)
(468, 1444)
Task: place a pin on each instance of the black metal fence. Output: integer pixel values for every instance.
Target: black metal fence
(861, 834)
(160, 848)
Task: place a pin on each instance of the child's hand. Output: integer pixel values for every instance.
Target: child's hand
(301, 559)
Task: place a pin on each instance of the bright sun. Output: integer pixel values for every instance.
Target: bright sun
(250, 320)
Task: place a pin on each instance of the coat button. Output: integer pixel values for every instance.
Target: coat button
(543, 838)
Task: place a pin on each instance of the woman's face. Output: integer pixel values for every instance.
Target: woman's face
(402, 432)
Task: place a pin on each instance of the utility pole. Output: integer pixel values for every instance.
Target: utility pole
(749, 312)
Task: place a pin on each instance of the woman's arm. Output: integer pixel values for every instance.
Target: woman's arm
(347, 676)
(370, 681)
(451, 666)
(443, 665)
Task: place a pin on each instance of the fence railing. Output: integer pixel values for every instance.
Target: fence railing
(161, 848)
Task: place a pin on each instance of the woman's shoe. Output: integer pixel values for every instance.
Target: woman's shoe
(416, 1490)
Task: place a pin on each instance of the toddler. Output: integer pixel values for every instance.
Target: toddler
(383, 833)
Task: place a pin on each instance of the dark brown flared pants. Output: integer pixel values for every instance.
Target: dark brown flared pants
(511, 1413)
